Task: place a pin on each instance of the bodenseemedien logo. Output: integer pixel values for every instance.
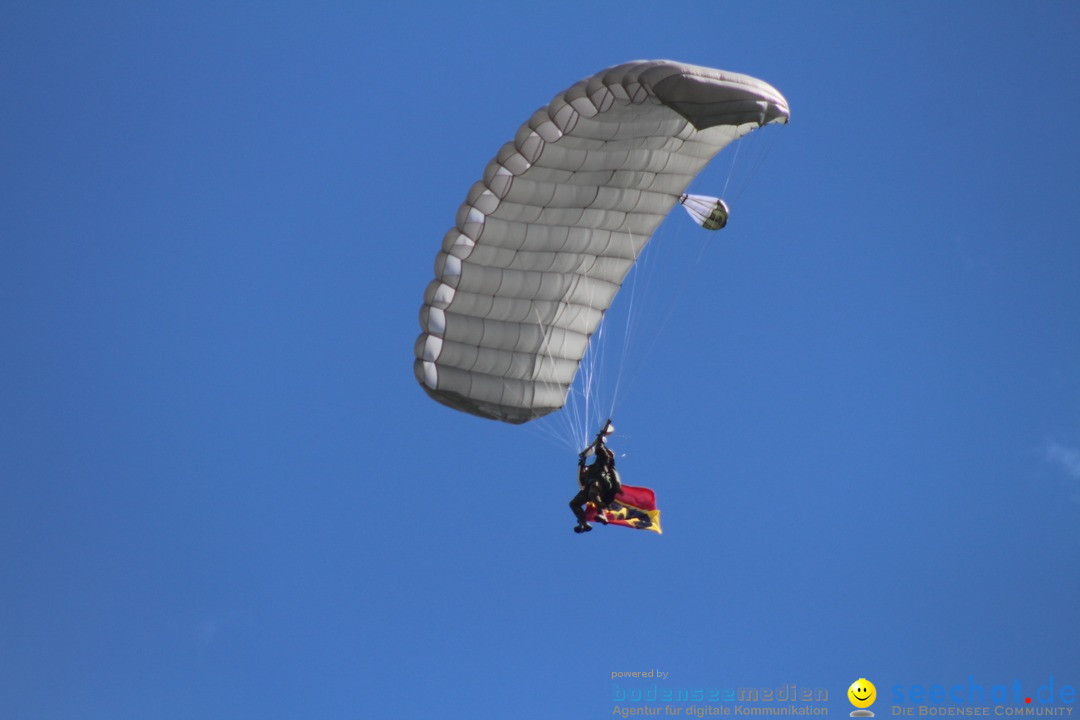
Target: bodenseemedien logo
(862, 695)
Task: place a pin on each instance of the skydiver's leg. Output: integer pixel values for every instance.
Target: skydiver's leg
(596, 497)
(578, 506)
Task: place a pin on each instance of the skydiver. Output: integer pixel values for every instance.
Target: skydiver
(599, 481)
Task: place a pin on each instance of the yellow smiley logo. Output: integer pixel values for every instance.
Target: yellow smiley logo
(862, 693)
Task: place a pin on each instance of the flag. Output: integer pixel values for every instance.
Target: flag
(633, 507)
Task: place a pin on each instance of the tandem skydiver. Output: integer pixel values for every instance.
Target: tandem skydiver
(599, 482)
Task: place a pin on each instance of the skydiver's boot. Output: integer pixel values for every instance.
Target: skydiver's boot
(583, 527)
(601, 516)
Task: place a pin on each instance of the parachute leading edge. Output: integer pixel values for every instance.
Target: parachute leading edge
(544, 240)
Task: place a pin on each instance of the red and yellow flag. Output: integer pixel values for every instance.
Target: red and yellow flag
(633, 507)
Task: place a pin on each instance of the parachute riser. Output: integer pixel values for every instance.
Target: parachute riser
(709, 212)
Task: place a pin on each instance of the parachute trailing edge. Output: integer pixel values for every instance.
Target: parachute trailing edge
(543, 241)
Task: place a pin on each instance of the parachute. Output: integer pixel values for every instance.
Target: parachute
(544, 240)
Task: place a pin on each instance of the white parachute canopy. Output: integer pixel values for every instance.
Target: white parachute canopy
(543, 242)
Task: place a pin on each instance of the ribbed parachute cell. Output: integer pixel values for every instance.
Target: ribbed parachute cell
(544, 240)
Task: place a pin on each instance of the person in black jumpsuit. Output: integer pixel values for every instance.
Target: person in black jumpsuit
(599, 483)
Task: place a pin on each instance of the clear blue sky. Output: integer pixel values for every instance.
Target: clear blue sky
(223, 495)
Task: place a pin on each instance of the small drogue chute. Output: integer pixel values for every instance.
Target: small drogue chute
(708, 212)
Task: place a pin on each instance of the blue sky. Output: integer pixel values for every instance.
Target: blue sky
(222, 494)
